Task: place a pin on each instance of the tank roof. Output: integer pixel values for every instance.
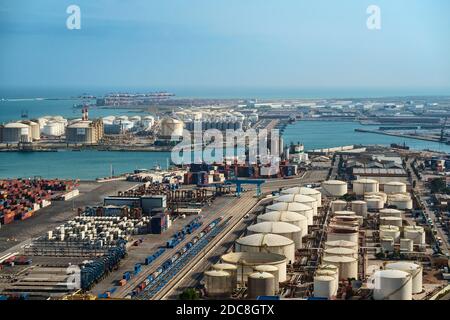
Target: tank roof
(253, 258)
(288, 206)
(273, 227)
(282, 216)
(264, 240)
(261, 275)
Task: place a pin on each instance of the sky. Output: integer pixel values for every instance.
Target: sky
(226, 43)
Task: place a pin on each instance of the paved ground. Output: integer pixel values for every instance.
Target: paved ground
(19, 233)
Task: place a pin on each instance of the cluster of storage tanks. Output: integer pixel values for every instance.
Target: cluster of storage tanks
(22, 131)
(260, 258)
(398, 280)
(216, 119)
(98, 231)
(121, 124)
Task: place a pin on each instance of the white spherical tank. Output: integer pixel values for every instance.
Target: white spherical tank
(293, 218)
(338, 205)
(391, 213)
(390, 231)
(392, 285)
(391, 221)
(218, 284)
(294, 207)
(395, 187)
(360, 208)
(271, 243)
(324, 286)
(246, 261)
(362, 186)
(415, 233)
(231, 269)
(273, 271)
(415, 270)
(348, 266)
(334, 188)
(260, 284)
(299, 198)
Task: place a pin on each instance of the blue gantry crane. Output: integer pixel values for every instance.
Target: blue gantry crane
(240, 182)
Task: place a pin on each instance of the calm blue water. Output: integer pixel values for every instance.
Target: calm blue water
(85, 165)
(326, 134)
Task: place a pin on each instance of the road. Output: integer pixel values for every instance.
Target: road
(423, 198)
(193, 272)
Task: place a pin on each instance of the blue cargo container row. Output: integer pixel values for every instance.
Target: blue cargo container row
(188, 251)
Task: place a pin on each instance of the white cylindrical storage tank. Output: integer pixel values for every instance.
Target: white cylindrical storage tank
(316, 194)
(360, 208)
(351, 235)
(345, 213)
(391, 213)
(299, 198)
(231, 269)
(415, 233)
(271, 243)
(374, 203)
(382, 195)
(247, 261)
(273, 271)
(324, 286)
(348, 266)
(294, 207)
(362, 186)
(293, 218)
(390, 231)
(391, 221)
(406, 245)
(392, 285)
(172, 128)
(218, 284)
(387, 244)
(401, 201)
(334, 188)
(331, 271)
(341, 244)
(415, 270)
(341, 252)
(338, 205)
(394, 187)
(260, 284)
(281, 228)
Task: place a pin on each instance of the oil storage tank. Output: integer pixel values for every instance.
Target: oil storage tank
(392, 285)
(247, 261)
(390, 232)
(362, 186)
(218, 284)
(415, 270)
(391, 221)
(294, 207)
(391, 213)
(260, 284)
(334, 188)
(324, 286)
(281, 228)
(341, 252)
(395, 187)
(16, 132)
(271, 243)
(171, 128)
(360, 208)
(336, 233)
(401, 201)
(299, 198)
(348, 266)
(316, 194)
(273, 271)
(293, 218)
(415, 233)
(231, 269)
(338, 205)
(341, 244)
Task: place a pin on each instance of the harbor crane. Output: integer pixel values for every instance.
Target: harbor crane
(442, 138)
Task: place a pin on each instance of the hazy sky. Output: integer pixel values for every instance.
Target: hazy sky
(270, 43)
